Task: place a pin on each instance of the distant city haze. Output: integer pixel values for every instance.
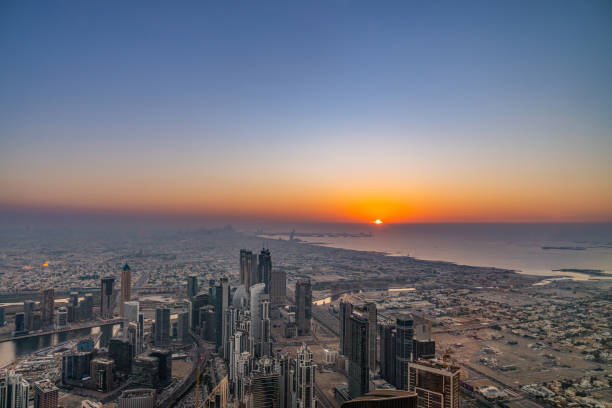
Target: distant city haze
(319, 111)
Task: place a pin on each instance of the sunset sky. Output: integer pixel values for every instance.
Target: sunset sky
(408, 111)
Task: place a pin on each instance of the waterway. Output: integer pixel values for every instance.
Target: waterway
(14, 349)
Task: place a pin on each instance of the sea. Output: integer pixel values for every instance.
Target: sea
(571, 250)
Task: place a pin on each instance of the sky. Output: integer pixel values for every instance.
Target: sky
(332, 111)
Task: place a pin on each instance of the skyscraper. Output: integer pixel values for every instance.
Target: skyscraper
(62, 317)
(303, 301)
(28, 311)
(404, 336)
(346, 310)
(358, 375)
(192, 286)
(387, 352)
(372, 323)
(162, 326)
(278, 287)
(305, 378)
(106, 297)
(248, 268)
(436, 384)
(257, 294)
(126, 286)
(14, 390)
(47, 304)
(264, 268)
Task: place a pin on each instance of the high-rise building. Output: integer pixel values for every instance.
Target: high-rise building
(20, 327)
(384, 399)
(73, 307)
(107, 305)
(122, 353)
(162, 326)
(86, 307)
(264, 268)
(436, 384)
(222, 327)
(346, 310)
(76, 365)
(248, 268)
(305, 378)
(47, 304)
(265, 348)
(28, 310)
(263, 384)
(62, 317)
(358, 375)
(45, 394)
(303, 303)
(387, 352)
(131, 311)
(102, 374)
(137, 398)
(14, 390)
(256, 334)
(192, 286)
(2, 321)
(372, 325)
(404, 335)
(278, 287)
(183, 327)
(126, 287)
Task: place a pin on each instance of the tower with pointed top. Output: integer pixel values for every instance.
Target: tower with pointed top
(126, 286)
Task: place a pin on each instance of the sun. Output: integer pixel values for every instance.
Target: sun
(378, 222)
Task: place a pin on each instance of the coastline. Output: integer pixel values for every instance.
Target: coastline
(574, 274)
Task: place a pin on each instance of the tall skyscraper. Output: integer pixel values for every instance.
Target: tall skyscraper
(387, 352)
(266, 343)
(2, 318)
(264, 268)
(305, 378)
(372, 325)
(14, 390)
(404, 335)
(106, 297)
(28, 311)
(162, 326)
(256, 334)
(303, 302)
(358, 375)
(278, 287)
(126, 287)
(183, 327)
(346, 310)
(248, 268)
(192, 286)
(435, 384)
(223, 330)
(47, 304)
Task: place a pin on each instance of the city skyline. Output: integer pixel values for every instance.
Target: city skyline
(326, 112)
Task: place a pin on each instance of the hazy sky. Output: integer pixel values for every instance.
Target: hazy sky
(331, 111)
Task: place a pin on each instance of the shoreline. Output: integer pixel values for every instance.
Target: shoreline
(572, 274)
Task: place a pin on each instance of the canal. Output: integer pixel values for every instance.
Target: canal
(14, 349)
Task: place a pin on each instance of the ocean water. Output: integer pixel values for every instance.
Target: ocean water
(537, 249)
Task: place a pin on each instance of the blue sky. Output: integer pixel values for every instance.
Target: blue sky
(103, 95)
